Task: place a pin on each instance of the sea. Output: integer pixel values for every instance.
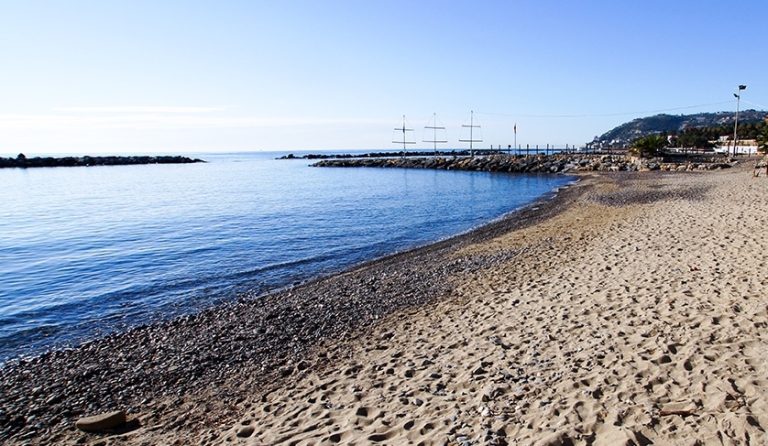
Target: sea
(88, 251)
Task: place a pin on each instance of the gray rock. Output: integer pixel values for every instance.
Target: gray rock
(245, 431)
(102, 422)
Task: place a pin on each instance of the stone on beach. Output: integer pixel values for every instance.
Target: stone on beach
(102, 422)
(245, 431)
(678, 408)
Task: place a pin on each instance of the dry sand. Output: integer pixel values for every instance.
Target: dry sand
(637, 316)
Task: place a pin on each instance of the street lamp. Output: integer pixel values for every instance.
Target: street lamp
(736, 124)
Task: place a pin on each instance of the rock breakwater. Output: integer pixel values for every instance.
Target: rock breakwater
(422, 153)
(74, 161)
(534, 164)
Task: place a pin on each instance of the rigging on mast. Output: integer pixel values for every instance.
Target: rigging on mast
(471, 128)
(405, 140)
(434, 127)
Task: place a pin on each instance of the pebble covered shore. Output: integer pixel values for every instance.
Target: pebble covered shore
(152, 371)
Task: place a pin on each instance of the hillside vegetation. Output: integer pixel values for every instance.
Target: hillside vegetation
(706, 126)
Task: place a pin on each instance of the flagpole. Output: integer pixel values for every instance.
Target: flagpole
(515, 136)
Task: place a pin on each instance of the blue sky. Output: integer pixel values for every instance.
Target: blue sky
(185, 76)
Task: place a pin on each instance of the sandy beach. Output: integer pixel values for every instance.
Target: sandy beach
(628, 310)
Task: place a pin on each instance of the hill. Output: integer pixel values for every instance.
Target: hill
(624, 134)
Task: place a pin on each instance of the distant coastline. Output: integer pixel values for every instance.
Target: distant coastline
(22, 161)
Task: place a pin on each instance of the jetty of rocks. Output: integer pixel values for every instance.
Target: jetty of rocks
(559, 163)
(412, 153)
(72, 161)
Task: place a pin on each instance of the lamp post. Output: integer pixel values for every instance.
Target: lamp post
(736, 124)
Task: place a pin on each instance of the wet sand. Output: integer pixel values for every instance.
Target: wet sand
(628, 310)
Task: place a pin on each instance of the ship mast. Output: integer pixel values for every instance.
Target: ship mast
(471, 127)
(434, 127)
(404, 129)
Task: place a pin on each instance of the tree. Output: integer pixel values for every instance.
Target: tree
(762, 140)
(694, 139)
(649, 146)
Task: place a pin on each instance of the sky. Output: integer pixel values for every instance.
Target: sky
(113, 76)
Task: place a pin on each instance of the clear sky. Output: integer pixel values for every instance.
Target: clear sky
(183, 76)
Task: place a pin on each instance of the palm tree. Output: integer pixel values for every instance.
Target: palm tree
(649, 146)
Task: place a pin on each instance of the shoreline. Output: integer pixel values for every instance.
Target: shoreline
(636, 316)
(539, 279)
(93, 357)
(75, 343)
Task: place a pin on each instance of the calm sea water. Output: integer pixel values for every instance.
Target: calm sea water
(86, 251)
